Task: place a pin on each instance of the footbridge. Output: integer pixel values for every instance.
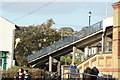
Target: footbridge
(103, 36)
(75, 43)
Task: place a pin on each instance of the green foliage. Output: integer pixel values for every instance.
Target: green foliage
(67, 59)
(34, 38)
(62, 60)
(68, 29)
(21, 60)
(14, 67)
(78, 60)
(36, 74)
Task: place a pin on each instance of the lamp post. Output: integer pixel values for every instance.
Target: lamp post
(89, 15)
(17, 41)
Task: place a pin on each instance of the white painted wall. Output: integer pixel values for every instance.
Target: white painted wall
(107, 22)
(7, 38)
(94, 50)
(86, 50)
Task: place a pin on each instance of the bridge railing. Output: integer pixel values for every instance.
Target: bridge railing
(79, 76)
(85, 31)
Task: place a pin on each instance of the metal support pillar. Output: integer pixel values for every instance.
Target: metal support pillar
(83, 57)
(103, 42)
(74, 51)
(58, 68)
(50, 63)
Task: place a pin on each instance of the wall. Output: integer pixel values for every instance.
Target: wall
(116, 40)
(102, 61)
(107, 22)
(6, 39)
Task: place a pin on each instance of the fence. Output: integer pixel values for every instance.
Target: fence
(85, 31)
(79, 76)
(71, 76)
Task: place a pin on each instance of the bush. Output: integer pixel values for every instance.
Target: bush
(15, 67)
(35, 73)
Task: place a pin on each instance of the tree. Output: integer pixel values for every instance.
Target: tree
(34, 38)
(67, 59)
(66, 31)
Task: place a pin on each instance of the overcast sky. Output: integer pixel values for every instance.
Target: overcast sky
(71, 14)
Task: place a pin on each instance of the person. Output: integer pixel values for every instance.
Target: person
(2, 78)
(84, 76)
(73, 67)
(20, 75)
(95, 72)
(101, 76)
(89, 72)
(26, 75)
(73, 70)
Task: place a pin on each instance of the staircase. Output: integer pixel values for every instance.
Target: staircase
(102, 61)
(85, 31)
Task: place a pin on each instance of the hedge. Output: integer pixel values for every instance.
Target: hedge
(35, 73)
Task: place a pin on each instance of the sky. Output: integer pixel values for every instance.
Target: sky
(72, 14)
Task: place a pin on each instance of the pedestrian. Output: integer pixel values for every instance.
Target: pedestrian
(20, 75)
(2, 78)
(95, 72)
(73, 70)
(26, 75)
(73, 67)
(84, 74)
(101, 76)
(88, 73)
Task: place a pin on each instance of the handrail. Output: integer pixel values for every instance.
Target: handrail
(85, 31)
(95, 55)
(71, 74)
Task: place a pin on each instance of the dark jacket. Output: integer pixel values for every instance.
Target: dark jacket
(26, 77)
(95, 72)
(20, 77)
(86, 72)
